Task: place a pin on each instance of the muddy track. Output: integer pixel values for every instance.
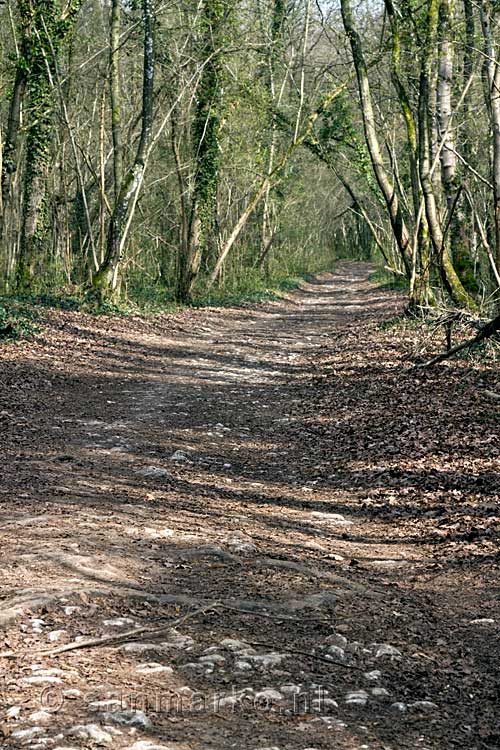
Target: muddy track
(319, 525)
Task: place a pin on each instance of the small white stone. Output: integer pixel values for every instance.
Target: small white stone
(482, 621)
(357, 698)
(319, 704)
(335, 652)
(269, 694)
(13, 712)
(425, 706)
(234, 645)
(334, 518)
(242, 666)
(51, 671)
(91, 732)
(130, 719)
(227, 700)
(336, 639)
(212, 659)
(118, 622)
(373, 676)
(26, 734)
(153, 667)
(138, 648)
(107, 705)
(271, 659)
(71, 610)
(178, 640)
(56, 635)
(41, 679)
(386, 650)
(40, 716)
(146, 745)
(178, 456)
(399, 707)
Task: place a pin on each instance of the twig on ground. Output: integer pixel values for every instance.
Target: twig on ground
(130, 635)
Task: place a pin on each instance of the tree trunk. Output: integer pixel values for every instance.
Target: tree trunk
(202, 244)
(384, 181)
(420, 291)
(492, 67)
(450, 278)
(48, 30)
(115, 93)
(107, 279)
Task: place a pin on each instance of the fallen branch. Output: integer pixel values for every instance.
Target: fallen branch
(485, 333)
(130, 635)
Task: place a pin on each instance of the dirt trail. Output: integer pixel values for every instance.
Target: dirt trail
(325, 522)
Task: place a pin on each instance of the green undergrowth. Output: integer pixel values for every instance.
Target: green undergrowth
(251, 291)
(17, 320)
(21, 315)
(387, 280)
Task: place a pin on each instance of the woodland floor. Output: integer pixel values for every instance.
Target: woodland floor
(325, 517)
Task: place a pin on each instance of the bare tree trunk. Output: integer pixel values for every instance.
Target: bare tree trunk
(107, 279)
(492, 68)
(384, 181)
(450, 278)
(115, 93)
(420, 291)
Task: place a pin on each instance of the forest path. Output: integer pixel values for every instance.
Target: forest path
(324, 520)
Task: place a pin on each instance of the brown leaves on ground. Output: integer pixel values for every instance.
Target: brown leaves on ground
(284, 462)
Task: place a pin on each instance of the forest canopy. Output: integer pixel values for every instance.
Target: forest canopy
(194, 148)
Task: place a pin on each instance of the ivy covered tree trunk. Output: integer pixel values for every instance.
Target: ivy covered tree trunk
(10, 146)
(202, 240)
(44, 30)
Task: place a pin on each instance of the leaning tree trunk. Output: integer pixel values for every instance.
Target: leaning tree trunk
(106, 282)
(384, 181)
